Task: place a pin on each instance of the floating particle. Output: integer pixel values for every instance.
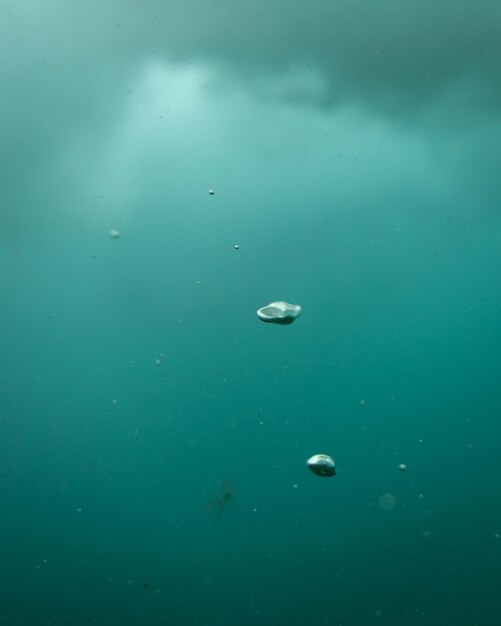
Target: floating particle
(322, 465)
(115, 234)
(211, 192)
(402, 467)
(160, 359)
(236, 246)
(279, 313)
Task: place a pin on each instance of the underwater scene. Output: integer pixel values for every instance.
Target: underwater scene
(250, 313)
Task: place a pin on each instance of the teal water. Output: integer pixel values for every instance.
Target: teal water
(154, 432)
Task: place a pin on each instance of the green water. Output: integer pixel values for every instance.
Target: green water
(154, 432)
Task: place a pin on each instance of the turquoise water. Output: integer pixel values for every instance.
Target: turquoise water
(154, 432)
